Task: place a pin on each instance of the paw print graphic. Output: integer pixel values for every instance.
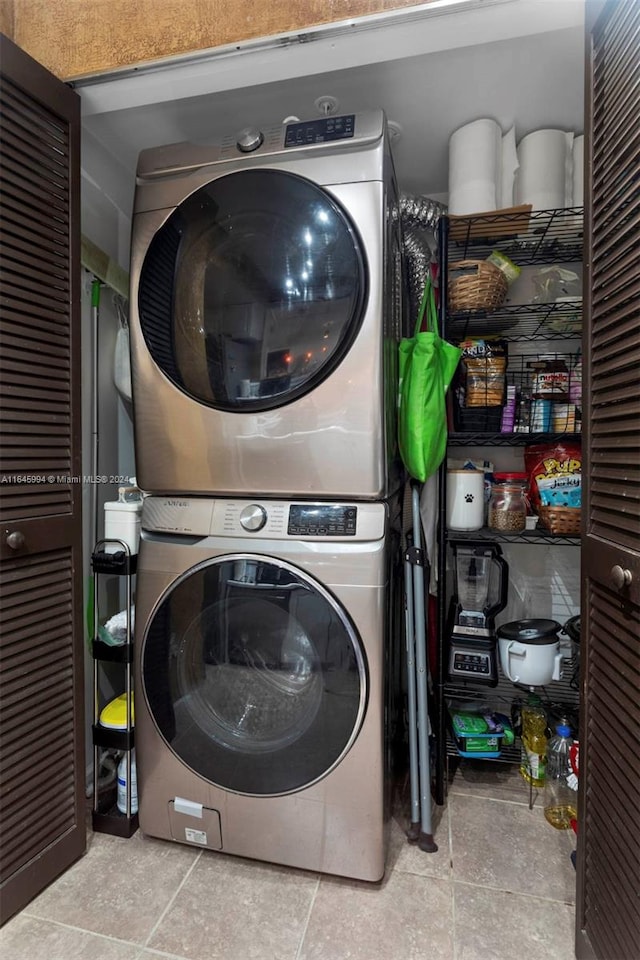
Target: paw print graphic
(469, 498)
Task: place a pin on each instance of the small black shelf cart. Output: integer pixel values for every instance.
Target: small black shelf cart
(106, 817)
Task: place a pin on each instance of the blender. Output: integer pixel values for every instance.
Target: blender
(481, 583)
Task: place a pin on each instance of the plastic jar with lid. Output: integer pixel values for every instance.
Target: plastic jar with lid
(550, 379)
(508, 505)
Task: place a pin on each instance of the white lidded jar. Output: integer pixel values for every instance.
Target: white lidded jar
(465, 499)
(122, 785)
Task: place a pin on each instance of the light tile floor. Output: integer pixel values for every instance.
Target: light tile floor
(500, 887)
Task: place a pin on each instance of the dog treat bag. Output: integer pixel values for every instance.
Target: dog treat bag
(555, 474)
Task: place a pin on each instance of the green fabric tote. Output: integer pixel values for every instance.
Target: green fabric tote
(426, 366)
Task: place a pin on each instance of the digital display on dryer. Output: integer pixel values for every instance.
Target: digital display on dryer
(321, 520)
(320, 131)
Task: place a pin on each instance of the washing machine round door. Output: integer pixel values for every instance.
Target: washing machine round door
(254, 675)
(252, 291)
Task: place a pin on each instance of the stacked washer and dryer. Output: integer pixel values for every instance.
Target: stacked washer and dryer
(266, 310)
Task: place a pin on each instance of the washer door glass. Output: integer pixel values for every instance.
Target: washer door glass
(254, 675)
(252, 291)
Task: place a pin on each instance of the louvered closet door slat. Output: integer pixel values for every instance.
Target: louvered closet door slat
(619, 255)
(28, 270)
(622, 190)
(22, 242)
(616, 44)
(617, 100)
(27, 114)
(39, 331)
(19, 155)
(611, 247)
(20, 182)
(617, 143)
(47, 247)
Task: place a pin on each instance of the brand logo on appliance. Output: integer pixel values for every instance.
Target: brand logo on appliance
(178, 503)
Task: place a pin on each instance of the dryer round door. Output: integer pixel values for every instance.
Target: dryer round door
(252, 291)
(254, 675)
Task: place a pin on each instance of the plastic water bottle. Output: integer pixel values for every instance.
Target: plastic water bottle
(560, 806)
(122, 785)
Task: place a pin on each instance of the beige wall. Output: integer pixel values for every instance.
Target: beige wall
(73, 37)
(6, 17)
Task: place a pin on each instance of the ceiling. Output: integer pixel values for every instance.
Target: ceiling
(531, 81)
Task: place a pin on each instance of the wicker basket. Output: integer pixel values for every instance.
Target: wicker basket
(476, 285)
(562, 520)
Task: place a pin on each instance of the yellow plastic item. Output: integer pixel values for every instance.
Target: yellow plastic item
(114, 715)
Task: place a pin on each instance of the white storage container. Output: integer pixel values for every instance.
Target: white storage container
(122, 522)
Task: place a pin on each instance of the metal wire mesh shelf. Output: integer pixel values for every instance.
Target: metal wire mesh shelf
(539, 535)
(520, 322)
(526, 236)
(482, 438)
(540, 402)
(560, 700)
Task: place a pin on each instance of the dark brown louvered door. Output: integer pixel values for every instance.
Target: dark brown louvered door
(42, 823)
(608, 896)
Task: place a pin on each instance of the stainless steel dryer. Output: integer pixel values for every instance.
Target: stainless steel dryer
(261, 662)
(265, 313)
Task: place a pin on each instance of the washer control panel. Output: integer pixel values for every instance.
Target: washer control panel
(269, 519)
(322, 520)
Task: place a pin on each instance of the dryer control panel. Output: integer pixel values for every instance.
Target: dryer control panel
(320, 131)
(264, 520)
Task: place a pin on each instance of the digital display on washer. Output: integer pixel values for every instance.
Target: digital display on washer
(321, 520)
(320, 131)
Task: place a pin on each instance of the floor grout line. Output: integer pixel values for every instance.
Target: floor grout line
(515, 893)
(159, 954)
(172, 900)
(71, 926)
(307, 920)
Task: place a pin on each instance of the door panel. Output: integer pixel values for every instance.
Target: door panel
(607, 909)
(254, 675)
(252, 291)
(41, 650)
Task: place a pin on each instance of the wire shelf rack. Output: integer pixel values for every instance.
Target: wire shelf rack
(526, 236)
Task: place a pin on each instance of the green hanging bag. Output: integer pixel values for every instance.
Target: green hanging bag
(426, 367)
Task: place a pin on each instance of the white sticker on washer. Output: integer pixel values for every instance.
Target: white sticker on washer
(195, 836)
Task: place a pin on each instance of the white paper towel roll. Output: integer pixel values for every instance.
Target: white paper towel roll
(544, 177)
(578, 172)
(509, 167)
(475, 168)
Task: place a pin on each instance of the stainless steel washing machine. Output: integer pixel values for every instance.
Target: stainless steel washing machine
(265, 312)
(262, 651)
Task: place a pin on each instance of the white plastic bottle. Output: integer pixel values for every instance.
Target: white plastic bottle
(122, 785)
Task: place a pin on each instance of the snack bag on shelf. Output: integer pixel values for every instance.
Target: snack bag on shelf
(555, 474)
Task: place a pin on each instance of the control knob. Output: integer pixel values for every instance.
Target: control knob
(249, 139)
(253, 517)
